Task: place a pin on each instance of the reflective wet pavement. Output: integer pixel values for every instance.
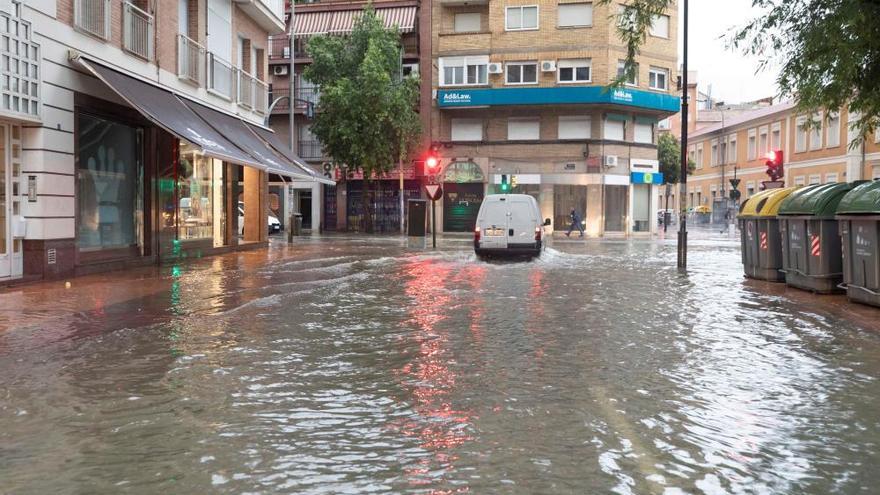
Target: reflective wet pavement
(347, 365)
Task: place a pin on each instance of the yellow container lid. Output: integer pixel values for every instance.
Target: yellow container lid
(765, 203)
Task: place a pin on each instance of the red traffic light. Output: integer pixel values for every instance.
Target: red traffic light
(432, 163)
(775, 165)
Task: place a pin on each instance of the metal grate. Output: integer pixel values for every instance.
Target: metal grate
(51, 256)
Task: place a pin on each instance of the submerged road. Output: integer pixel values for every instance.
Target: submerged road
(364, 365)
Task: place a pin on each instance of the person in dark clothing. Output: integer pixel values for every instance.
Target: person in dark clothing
(575, 223)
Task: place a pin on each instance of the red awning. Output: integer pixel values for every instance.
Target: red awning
(312, 23)
(342, 21)
(402, 17)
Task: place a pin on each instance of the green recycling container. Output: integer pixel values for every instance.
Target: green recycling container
(760, 238)
(858, 216)
(811, 249)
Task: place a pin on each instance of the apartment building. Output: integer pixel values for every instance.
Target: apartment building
(132, 132)
(338, 207)
(521, 93)
(816, 154)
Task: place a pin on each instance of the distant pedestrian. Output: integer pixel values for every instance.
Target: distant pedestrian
(575, 223)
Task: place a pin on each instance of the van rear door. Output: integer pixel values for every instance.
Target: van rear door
(493, 220)
(521, 222)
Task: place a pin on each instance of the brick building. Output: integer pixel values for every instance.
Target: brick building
(817, 155)
(132, 132)
(519, 90)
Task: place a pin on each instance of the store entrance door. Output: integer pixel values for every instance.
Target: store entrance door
(11, 256)
(461, 204)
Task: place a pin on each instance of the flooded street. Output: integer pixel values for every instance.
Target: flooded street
(362, 365)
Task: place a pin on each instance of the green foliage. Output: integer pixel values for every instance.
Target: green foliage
(669, 155)
(828, 51)
(633, 27)
(366, 117)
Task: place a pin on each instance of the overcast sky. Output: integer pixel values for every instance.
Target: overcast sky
(731, 74)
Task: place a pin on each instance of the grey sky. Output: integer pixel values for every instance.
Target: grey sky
(731, 74)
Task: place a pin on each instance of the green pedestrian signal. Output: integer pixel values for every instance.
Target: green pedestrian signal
(505, 185)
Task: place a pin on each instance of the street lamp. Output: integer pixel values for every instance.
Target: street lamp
(682, 229)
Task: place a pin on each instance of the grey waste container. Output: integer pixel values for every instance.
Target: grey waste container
(859, 217)
(417, 211)
(296, 224)
(760, 239)
(811, 252)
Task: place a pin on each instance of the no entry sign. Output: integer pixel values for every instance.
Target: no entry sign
(434, 191)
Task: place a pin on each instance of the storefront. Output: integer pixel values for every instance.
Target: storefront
(463, 191)
(385, 203)
(11, 189)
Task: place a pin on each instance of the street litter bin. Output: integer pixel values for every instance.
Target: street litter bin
(858, 216)
(296, 225)
(417, 214)
(760, 238)
(811, 252)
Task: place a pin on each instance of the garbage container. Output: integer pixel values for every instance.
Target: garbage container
(858, 216)
(760, 238)
(296, 224)
(417, 215)
(811, 254)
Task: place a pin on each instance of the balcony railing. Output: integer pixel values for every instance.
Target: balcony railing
(279, 47)
(221, 76)
(93, 17)
(137, 31)
(306, 95)
(190, 60)
(252, 93)
(310, 150)
(280, 91)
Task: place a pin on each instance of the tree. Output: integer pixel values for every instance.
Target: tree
(366, 119)
(669, 156)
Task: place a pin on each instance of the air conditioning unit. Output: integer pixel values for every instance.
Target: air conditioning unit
(610, 161)
(280, 70)
(548, 66)
(495, 68)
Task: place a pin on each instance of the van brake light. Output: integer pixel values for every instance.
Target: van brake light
(537, 233)
(477, 234)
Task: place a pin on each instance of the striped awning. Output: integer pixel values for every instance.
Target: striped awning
(342, 22)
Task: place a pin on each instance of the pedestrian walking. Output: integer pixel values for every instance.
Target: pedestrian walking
(575, 223)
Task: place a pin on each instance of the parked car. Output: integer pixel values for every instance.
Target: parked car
(661, 213)
(274, 224)
(509, 224)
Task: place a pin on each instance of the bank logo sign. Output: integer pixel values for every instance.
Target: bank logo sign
(622, 96)
(455, 98)
(574, 95)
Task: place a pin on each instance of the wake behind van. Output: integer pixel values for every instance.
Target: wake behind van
(509, 224)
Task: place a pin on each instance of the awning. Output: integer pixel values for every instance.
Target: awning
(272, 139)
(342, 21)
(240, 134)
(165, 110)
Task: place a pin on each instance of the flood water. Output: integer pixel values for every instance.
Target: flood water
(346, 365)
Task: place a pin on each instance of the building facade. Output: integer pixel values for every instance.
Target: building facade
(520, 94)
(337, 207)
(817, 154)
(133, 133)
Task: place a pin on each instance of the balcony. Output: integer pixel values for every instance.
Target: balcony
(191, 58)
(279, 48)
(252, 93)
(268, 14)
(137, 31)
(92, 17)
(20, 92)
(221, 77)
(305, 96)
(311, 150)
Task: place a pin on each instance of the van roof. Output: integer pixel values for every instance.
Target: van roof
(505, 197)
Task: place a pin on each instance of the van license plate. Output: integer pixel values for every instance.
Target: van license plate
(495, 232)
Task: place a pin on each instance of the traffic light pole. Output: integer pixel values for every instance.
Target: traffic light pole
(682, 230)
(434, 223)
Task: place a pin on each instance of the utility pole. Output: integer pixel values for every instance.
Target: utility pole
(290, 74)
(682, 201)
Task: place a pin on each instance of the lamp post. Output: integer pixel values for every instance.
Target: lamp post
(682, 229)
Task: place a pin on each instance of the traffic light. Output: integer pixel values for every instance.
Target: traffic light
(432, 165)
(505, 186)
(775, 165)
(513, 182)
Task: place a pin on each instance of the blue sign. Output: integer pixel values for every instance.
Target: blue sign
(655, 178)
(564, 95)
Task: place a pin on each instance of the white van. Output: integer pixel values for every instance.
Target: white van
(509, 224)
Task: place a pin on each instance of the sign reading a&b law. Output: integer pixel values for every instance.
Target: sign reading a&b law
(654, 178)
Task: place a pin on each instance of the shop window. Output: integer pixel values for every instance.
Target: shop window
(615, 208)
(641, 208)
(467, 22)
(521, 18)
(198, 182)
(575, 15)
(565, 199)
(109, 184)
(522, 73)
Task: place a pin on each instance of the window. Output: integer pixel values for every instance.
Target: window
(753, 145)
(692, 154)
(220, 28)
(523, 129)
(521, 18)
(699, 156)
(644, 132)
(615, 129)
(722, 151)
(467, 130)
(196, 193)
(800, 180)
(763, 142)
(800, 140)
(750, 189)
(574, 71)
(522, 72)
(713, 157)
(665, 124)
(731, 150)
(575, 15)
(660, 26)
(833, 139)
(464, 71)
(467, 22)
(816, 132)
(183, 17)
(575, 127)
(830, 178)
(631, 81)
(776, 137)
(815, 179)
(658, 79)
